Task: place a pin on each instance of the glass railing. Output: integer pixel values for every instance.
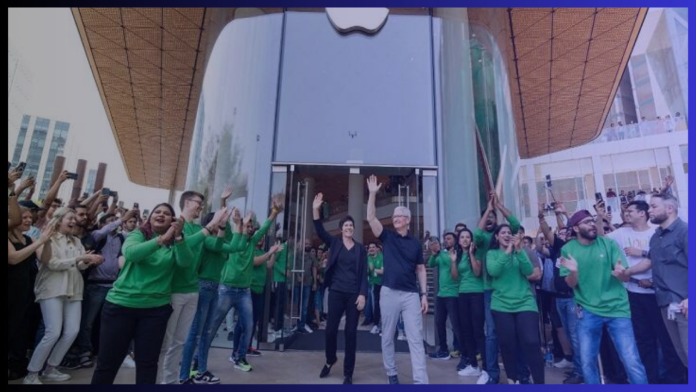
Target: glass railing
(644, 128)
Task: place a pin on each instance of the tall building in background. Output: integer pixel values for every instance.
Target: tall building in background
(19, 91)
(39, 141)
(91, 179)
(645, 136)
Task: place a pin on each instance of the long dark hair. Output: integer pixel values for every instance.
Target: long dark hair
(495, 244)
(146, 228)
(460, 251)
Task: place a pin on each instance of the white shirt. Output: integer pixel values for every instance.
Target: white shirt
(626, 237)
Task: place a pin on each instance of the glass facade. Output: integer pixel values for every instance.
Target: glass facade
(36, 147)
(363, 99)
(20, 140)
(58, 141)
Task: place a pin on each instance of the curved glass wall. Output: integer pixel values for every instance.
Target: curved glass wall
(233, 137)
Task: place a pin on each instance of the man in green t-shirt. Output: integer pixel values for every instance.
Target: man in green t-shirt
(594, 267)
(375, 263)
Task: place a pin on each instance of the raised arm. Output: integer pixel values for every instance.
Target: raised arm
(373, 187)
(318, 226)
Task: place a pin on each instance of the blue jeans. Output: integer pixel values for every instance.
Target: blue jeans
(493, 368)
(93, 300)
(569, 319)
(319, 300)
(200, 329)
(621, 333)
(228, 298)
(306, 291)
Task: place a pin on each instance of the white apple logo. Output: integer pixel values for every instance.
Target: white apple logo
(366, 19)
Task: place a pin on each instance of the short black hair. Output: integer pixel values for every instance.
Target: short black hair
(528, 238)
(373, 243)
(641, 206)
(348, 218)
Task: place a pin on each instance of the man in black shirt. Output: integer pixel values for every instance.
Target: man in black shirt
(404, 289)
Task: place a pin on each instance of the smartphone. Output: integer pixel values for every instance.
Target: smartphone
(120, 204)
(85, 195)
(598, 196)
(624, 200)
(136, 206)
(106, 192)
(113, 194)
(146, 212)
(609, 209)
(21, 167)
(72, 176)
(548, 181)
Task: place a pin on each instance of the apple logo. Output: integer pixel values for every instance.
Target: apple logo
(366, 19)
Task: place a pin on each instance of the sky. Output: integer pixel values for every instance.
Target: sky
(63, 89)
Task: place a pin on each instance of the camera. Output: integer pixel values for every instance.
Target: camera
(598, 196)
(72, 176)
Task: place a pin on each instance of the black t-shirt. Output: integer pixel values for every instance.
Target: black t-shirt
(19, 275)
(345, 276)
(562, 288)
(401, 256)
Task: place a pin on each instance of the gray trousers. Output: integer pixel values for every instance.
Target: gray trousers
(392, 304)
(678, 331)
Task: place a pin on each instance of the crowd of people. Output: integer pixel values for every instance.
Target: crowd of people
(159, 285)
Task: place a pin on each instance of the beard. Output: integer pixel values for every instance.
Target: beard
(588, 234)
(658, 219)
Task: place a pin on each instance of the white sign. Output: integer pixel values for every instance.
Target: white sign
(368, 20)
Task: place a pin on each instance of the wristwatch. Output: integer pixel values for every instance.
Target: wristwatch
(644, 254)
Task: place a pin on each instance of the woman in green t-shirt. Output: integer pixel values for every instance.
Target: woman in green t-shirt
(512, 304)
(467, 269)
(138, 306)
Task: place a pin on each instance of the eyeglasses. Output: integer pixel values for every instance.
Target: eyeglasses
(199, 202)
(399, 216)
(590, 221)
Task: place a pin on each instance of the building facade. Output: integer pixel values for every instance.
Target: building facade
(644, 139)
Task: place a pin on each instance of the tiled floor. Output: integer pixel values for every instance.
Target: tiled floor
(302, 367)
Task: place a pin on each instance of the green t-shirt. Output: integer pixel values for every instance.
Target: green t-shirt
(185, 280)
(213, 262)
(146, 279)
(482, 239)
(449, 287)
(258, 275)
(238, 270)
(374, 263)
(511, 291)
(468, 281)
(598, 290)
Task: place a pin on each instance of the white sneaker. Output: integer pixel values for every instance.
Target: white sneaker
(128, 363)
(470, 371)
(511, 382)
(306, 328)
(32, 379)
(483, 378)
(55, 376)
(402, 336)
(374, 330)
(563, 364)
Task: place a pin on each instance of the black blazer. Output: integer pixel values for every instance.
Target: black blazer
(336, 243)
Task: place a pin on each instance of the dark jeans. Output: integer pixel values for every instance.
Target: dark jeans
(519, 332)
(257, 312)
(471, 320)
(446, 306)
(120, 325)
(18, 304)
(281, 293)
(376, 314)
(340, 303)
(651, 333)
(94, 299)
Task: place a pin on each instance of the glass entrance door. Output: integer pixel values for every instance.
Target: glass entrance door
(297, 303)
